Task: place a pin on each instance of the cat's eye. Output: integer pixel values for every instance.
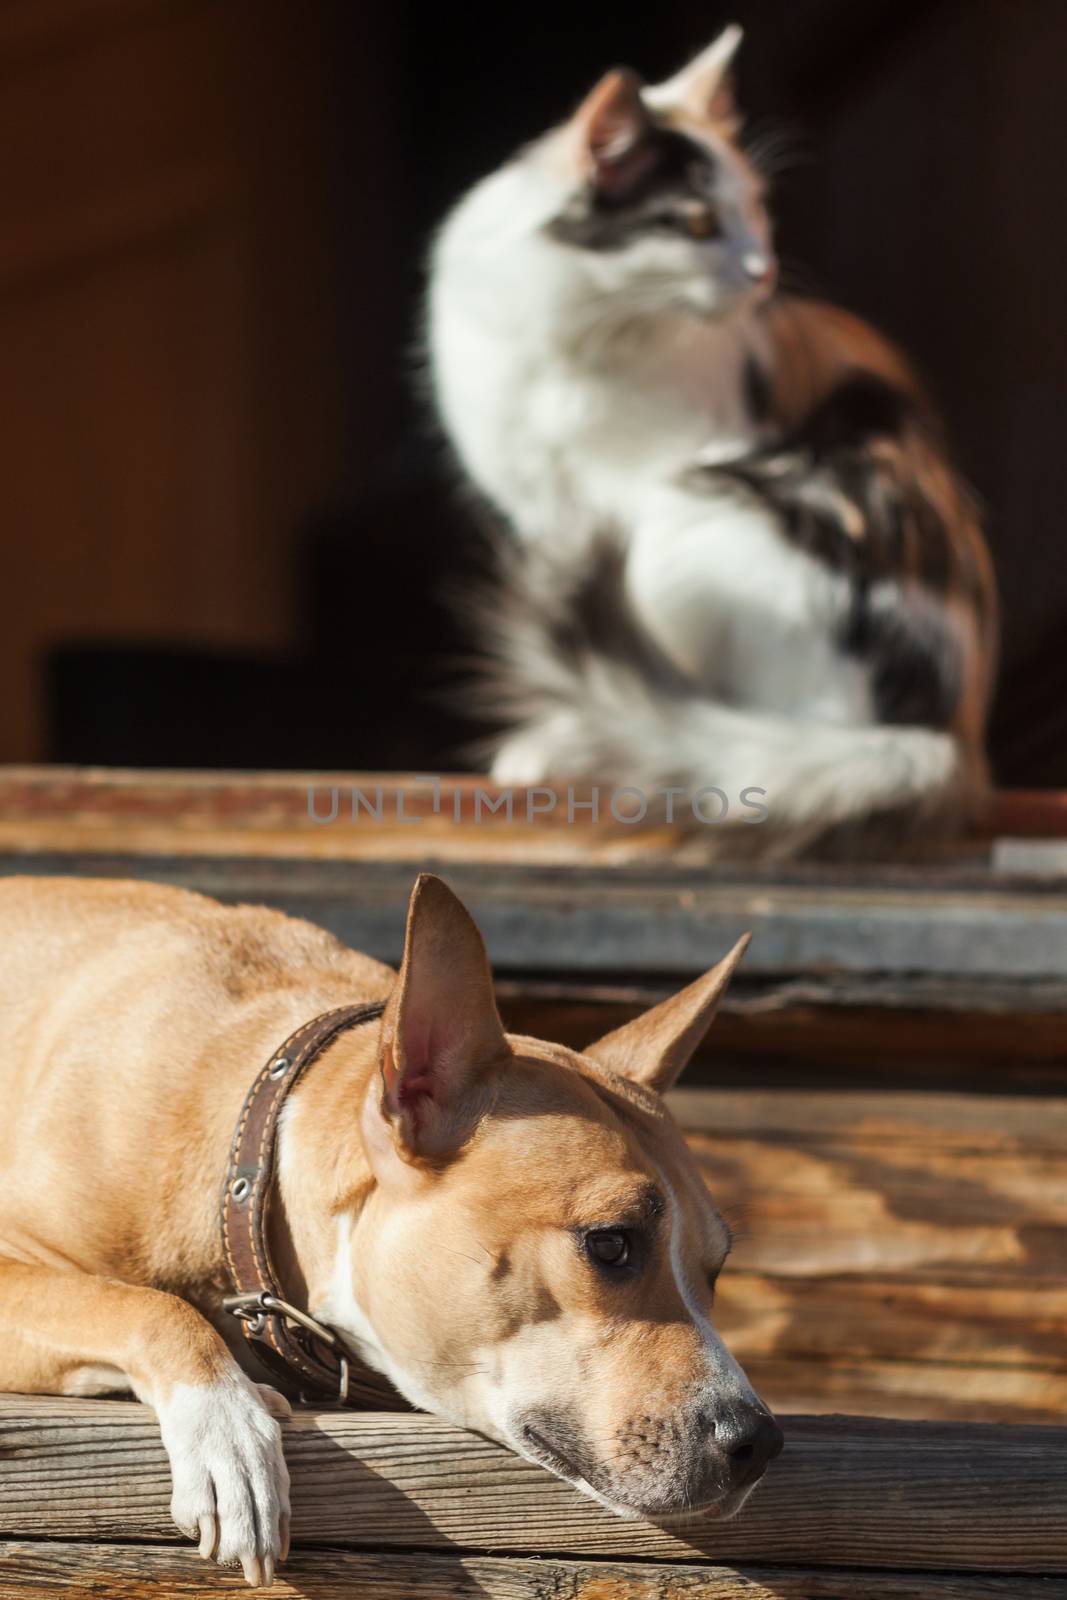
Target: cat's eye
(701, 223)
(610, 1247)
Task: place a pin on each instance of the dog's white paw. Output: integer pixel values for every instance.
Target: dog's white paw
(231, 1484)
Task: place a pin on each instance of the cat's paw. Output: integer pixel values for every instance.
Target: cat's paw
(538, 755)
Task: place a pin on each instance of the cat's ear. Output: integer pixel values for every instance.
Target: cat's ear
(608, 134)
(704, 89)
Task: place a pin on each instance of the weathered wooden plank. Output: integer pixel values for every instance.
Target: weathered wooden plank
(355, 816)
(669, 921)
(861, 1117)
(137, 1572)
(941, 1270)
(80, 804)
(873, 1317)
(917, 1030)
(912, 1391)
(898, 1253)
(937, 1496)
(839, 1030)
(944, 1215)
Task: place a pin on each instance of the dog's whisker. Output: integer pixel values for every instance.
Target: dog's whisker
(453, 1366)
(472, 1259)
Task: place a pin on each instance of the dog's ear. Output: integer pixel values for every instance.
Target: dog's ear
(440, 1031)
(655, 1048)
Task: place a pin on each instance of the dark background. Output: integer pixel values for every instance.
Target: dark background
(228, 520)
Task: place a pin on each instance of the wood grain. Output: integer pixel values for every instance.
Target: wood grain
(125, 1572)
(935, 1496)
(944, 1216)
(902, 1033)
(268, 813)
(354, 816)
(862, 1114)
(870, 1316)
(152, 152)
(909, 1390)
(896, 1254)
(888, 937)
(877, 937)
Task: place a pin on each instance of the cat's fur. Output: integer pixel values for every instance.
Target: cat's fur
(742, 558)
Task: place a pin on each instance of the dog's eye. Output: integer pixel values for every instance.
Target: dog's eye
(609, 1246)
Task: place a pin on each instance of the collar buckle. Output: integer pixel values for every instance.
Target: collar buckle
(254, 1309)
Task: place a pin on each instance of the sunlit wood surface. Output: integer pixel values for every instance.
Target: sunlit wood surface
(924, 1504)
(880, 1109)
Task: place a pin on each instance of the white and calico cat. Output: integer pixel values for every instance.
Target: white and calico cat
(740, 557)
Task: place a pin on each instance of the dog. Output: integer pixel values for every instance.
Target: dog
(515, 1234)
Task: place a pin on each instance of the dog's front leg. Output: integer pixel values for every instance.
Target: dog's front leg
(64, 1329)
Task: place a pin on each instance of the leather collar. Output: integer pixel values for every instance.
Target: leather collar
(288, 1341)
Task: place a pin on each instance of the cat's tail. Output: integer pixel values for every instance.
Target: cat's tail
(580, 714)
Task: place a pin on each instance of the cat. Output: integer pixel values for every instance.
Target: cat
(739, 556)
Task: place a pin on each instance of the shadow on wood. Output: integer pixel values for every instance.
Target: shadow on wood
(131, 1572)
(846, 1491)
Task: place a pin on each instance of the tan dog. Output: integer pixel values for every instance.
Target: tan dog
(516, 1234)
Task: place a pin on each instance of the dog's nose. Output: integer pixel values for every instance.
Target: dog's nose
(750, 1441)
